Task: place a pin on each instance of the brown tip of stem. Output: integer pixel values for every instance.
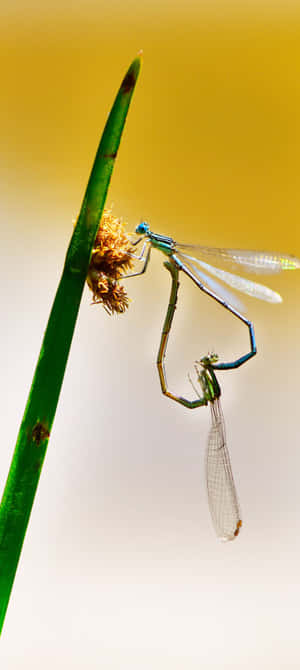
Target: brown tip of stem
(131, 76)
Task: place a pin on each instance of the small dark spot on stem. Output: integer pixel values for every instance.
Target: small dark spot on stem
(40, 433)
(128, 82)
(37, 466)
(111, 155)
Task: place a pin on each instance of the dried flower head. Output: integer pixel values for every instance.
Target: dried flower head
(111, 258)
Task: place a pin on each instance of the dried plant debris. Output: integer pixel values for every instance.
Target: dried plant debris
(111, 259)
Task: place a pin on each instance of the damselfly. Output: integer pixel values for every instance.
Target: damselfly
(222, 497)
(192, 260)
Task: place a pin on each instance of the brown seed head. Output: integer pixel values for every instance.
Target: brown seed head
(111, 258)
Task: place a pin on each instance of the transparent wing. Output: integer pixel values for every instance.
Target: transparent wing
(214, 286)
(246, 286)
(257, 262)
(222, 497)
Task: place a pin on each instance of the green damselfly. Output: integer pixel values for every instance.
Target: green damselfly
(221, 492)
(222, 497)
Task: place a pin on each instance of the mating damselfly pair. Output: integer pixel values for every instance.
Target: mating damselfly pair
(198, 263)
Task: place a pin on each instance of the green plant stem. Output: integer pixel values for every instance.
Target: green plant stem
(40, 410)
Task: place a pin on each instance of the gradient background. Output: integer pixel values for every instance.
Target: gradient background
(121, 568)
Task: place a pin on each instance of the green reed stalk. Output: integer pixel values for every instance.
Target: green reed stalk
(40, 410)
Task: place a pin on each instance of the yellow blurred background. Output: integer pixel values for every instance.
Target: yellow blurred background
(120, 567)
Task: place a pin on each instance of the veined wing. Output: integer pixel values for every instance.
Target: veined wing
(236, 282)
(216, 287)
(222, 497)
(257, 262)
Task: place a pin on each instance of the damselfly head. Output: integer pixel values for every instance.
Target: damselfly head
(143, 228)
(207, 378)
(209, 360)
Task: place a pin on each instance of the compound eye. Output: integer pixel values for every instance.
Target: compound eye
(142, 228)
